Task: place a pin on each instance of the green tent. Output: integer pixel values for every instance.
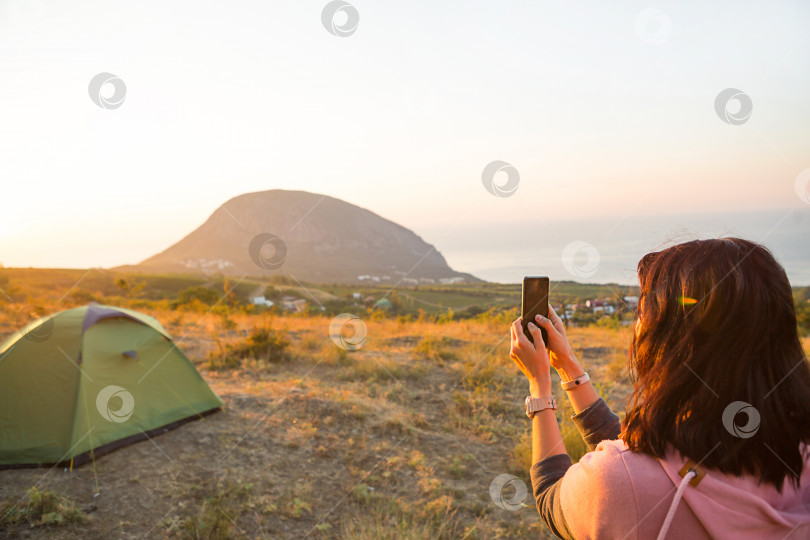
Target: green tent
(83, 382)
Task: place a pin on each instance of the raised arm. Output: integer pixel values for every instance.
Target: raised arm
(549, 457)
(595, 421)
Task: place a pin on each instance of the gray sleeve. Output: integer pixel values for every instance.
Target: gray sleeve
(546, 475)
(597, 423)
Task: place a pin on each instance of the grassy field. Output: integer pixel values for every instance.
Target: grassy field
(399, 439)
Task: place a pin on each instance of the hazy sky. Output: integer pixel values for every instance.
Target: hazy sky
(604, 109)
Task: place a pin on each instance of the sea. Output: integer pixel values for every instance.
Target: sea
(607, 249)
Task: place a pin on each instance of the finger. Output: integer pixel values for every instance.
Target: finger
(519, 334)
(558, 323)
(553, 315)
(517, 360)
(545, 323)
(537, 335)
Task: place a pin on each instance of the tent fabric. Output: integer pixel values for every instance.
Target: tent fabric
(96, 312)
(103, 377)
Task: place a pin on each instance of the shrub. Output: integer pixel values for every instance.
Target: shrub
(41, 508)
(203, 295)
(435, 348)
(520, 456)
(608, 322)
(222, 503)
(499, 316)
(80, 297)
(271, 293)
(224, 313)
(281, 280)
(263, 344)
(470, 312)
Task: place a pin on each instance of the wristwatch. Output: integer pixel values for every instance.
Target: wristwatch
(537, 404)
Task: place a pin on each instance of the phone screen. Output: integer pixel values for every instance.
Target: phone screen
(535, 301)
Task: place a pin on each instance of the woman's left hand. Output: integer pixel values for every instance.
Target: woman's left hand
(531, 358)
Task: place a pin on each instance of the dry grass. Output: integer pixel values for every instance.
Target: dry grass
(399, 439)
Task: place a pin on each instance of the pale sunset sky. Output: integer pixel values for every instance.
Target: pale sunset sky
(606, 110)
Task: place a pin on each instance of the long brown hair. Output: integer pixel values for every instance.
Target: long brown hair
(717, 336)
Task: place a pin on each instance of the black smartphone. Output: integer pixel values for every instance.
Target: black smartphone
(535, 302)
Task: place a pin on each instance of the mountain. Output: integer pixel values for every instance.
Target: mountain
(309, 236)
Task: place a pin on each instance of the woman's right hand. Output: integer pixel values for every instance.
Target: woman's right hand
(561, 356)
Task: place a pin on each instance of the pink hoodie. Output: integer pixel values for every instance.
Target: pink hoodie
(615, 493)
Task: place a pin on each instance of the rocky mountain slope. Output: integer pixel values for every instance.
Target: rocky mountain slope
(310, 236)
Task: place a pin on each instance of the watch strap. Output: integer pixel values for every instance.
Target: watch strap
(573, 383)
(537, 404)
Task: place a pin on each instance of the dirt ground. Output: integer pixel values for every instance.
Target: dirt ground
(395, 437)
